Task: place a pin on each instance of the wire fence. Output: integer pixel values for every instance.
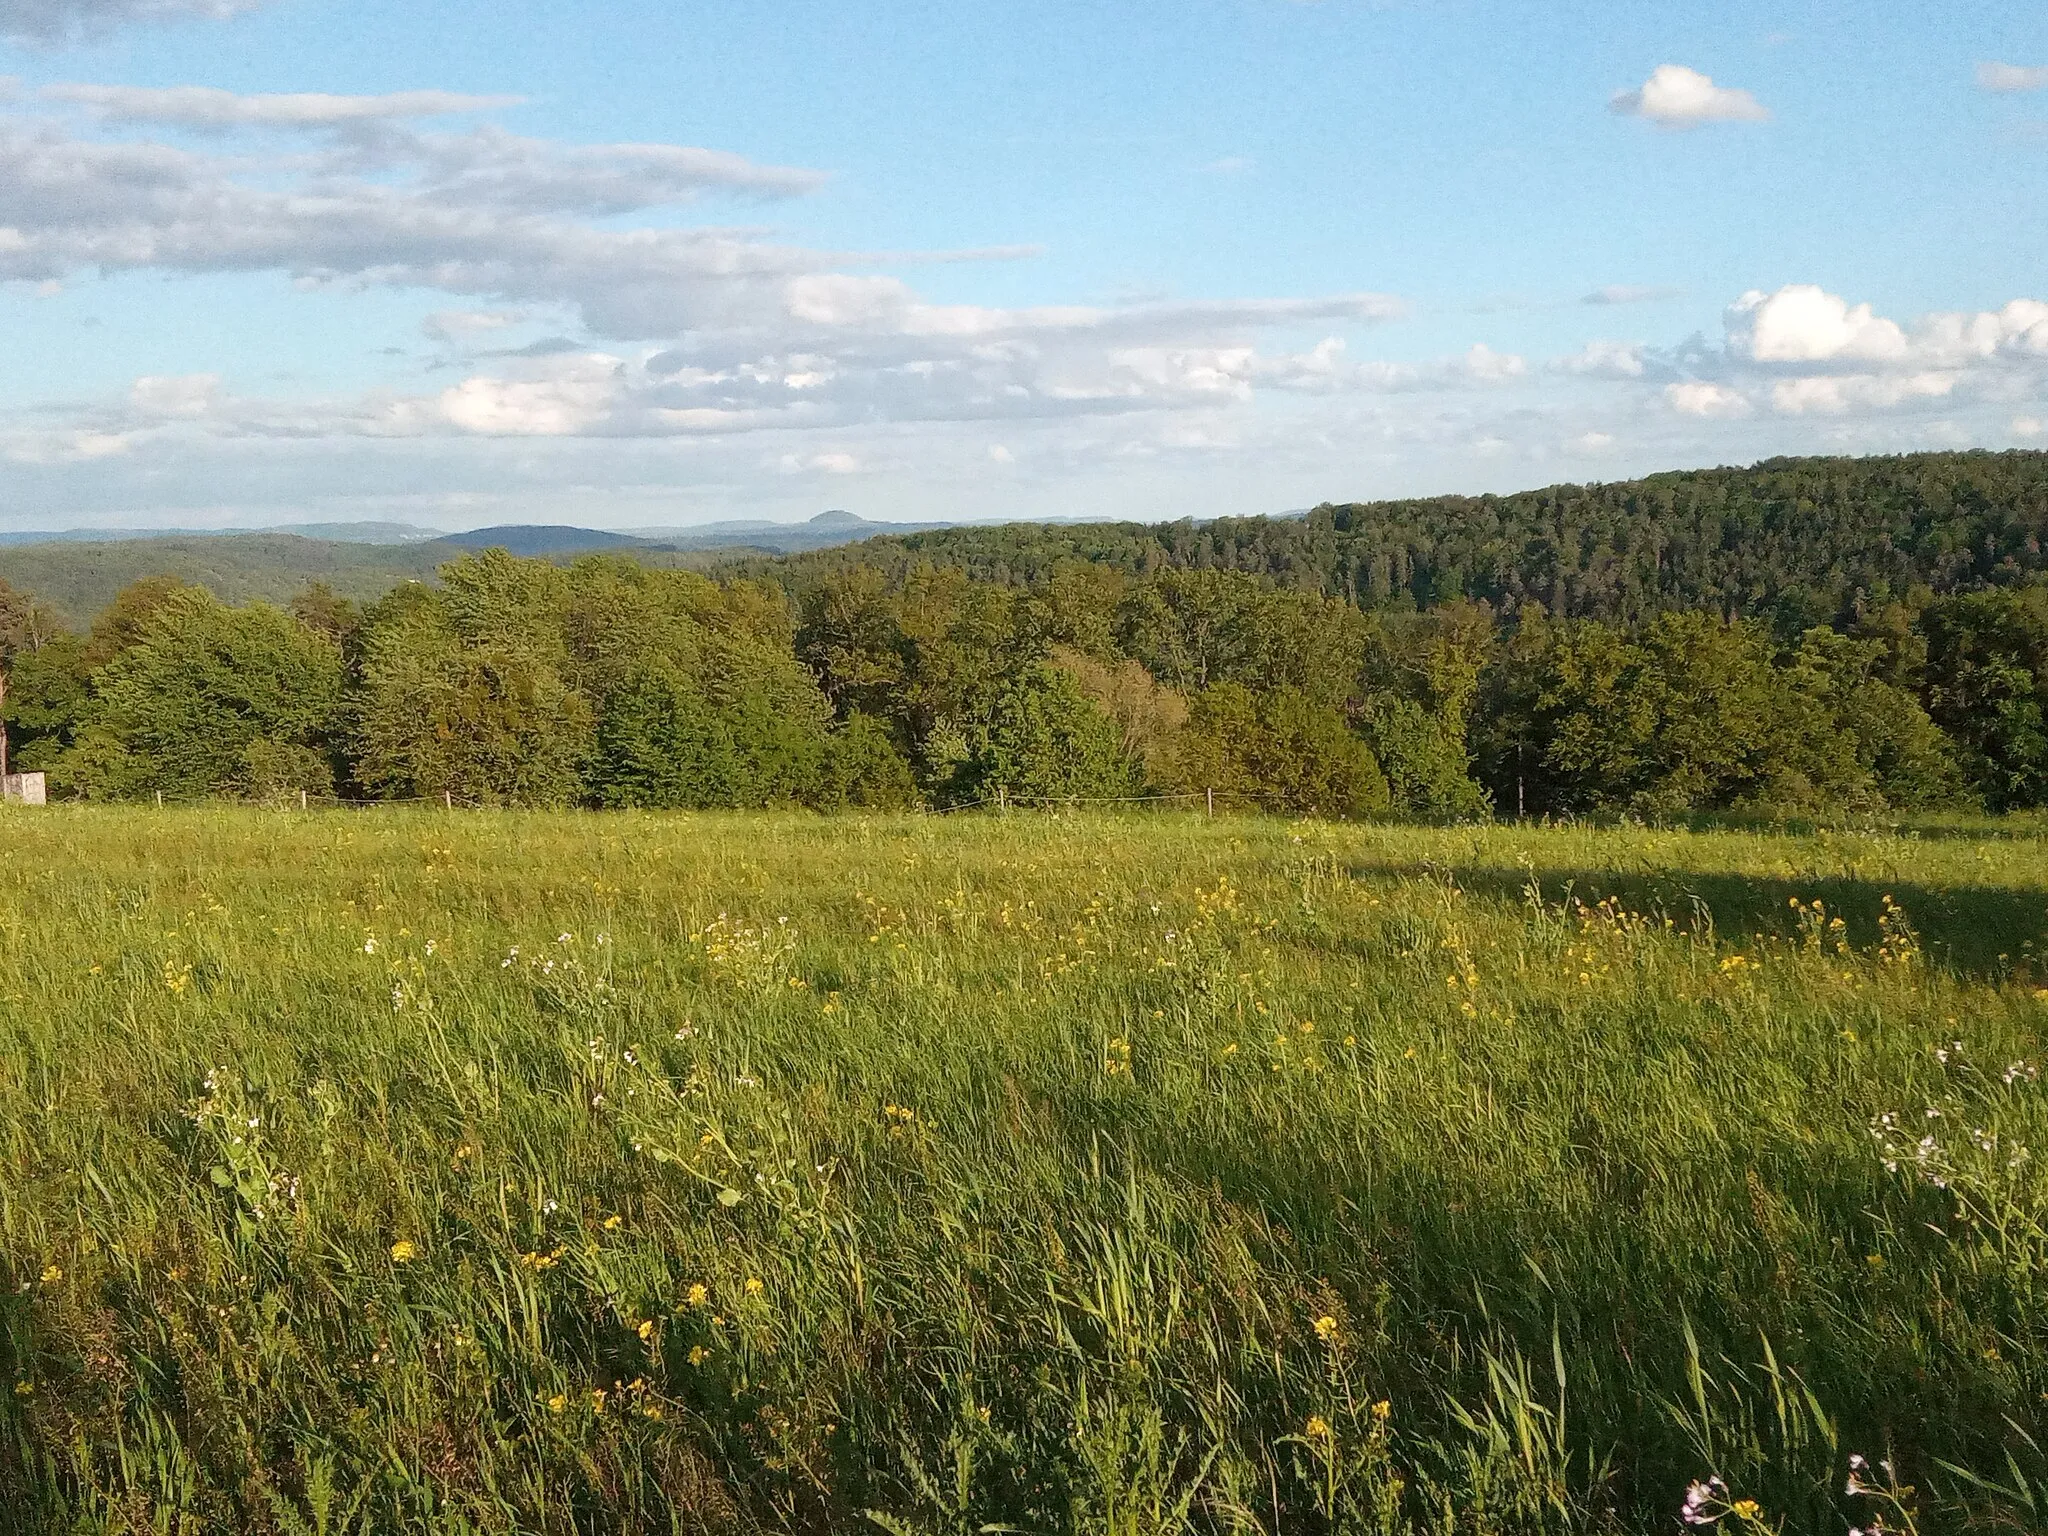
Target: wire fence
(308, 800)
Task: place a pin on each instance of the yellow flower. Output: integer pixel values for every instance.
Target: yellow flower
(753, 1286)
(596, 1400)
(1318, 1427)
(1382, 1411)
(403, 1252)
(1326, 1328)
(699, 1355)
(645, 1330)
(613, 1223)
(699, 1295)
(1748, 1509)
(24, 1389)
(52, 1274)
(557, 1403)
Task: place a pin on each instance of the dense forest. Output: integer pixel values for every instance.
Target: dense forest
(1795, 542)
(1861, 635)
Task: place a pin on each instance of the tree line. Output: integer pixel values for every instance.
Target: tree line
(1792, 542)
(894, 684)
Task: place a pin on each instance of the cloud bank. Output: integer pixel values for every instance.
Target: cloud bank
(606, 320)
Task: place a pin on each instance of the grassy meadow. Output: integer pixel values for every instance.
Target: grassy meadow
(412, 1171)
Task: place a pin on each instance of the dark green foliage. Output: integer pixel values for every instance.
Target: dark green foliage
(1794, 542)
(210, 700)
(864, 769)
(1281, 751)
(663, 745)
(1852, 635)
(482, 723)
(1987, 656)
(1044, 739)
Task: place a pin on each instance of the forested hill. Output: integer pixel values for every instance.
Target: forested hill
(1794, 541)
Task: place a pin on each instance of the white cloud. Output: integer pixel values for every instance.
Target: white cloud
(1606, 360)
(1590, 443)
(1838, 394)
(1487, 366)
(831, 462)
(1001, 455)
(2012, 77)
(1231, 165)
(1801, 323)
(457, 325)
(185, 395)
(2029, 426)
(57, 21)
(192, 106)
(1677, 97)
(1698, 397)
(571, 398)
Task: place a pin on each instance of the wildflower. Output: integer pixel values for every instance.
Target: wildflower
(699, 1295)
(597, 1400)
(558, 1403)
(613, 1223)
(1747, 1509)
(1857, 1467)
(699, 1355)
(753, 1286)
(369, 946)
(1382, 1411)
(52, 1274)
(1326, 1328)
(403, 1252)
(1317, 1428)
(24, 1389)
(646, 1330)
(1698, 1497)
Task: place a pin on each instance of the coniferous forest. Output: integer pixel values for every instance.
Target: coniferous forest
(1805, 635)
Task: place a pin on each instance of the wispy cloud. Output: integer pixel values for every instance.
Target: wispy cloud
(1631, 293)
(60, 21)
(2012, 77)
(193, 106)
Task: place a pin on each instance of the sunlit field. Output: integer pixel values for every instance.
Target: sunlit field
(416, 1171)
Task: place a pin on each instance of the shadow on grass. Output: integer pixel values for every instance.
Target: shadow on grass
(1974, 930)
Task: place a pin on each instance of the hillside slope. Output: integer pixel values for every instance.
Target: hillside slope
(1799, 541)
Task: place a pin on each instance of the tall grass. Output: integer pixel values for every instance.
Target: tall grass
(511, 1172)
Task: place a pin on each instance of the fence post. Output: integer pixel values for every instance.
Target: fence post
(1212, 802)
(448, 799)
(159, 799)
(302, 799)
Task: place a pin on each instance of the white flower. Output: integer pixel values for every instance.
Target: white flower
(1698, 1496)
(369, 946)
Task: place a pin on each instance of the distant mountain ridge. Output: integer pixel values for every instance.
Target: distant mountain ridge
(333, 533)
(78, 571)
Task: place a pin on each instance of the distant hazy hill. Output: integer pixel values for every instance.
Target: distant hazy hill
(79, 572)
(78, 579)
(334, 533)
(537, 540)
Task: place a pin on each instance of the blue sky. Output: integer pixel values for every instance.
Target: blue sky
(651, 264)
